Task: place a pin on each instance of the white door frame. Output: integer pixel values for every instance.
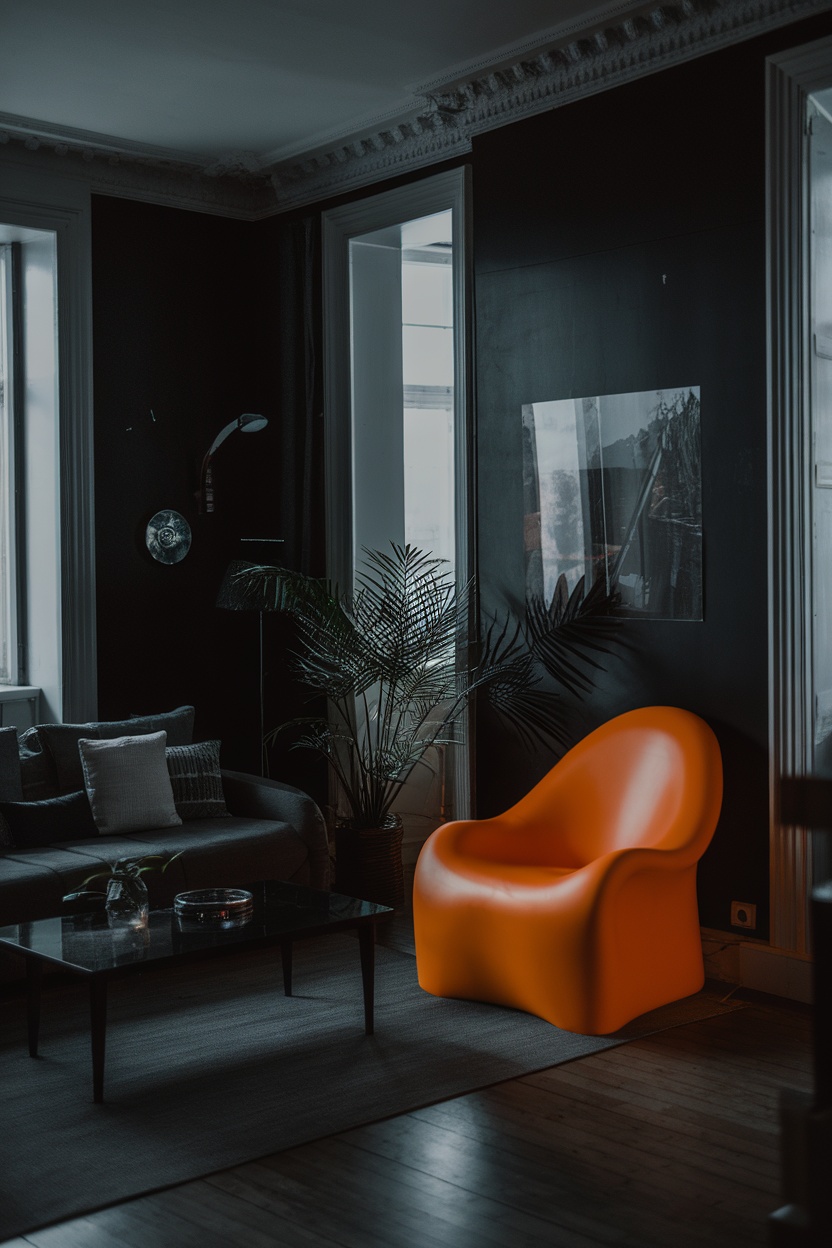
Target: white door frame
(791, 77)
(430, 195)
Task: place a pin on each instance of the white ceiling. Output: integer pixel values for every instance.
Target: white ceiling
(265, 80)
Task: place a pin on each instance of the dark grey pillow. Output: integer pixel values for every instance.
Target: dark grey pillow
(60, 741)
(37, 771)
(11, 787)
(56, 819)
(6, 840)
(197, 780)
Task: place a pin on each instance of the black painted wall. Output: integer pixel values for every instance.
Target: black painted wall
(619, 244)
(186, 327)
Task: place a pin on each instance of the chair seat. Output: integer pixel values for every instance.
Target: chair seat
(586, 947)
(521, 875)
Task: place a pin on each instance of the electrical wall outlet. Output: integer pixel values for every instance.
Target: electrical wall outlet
(743, 914)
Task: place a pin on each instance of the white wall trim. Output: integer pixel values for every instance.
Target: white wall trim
(733, 958)
(781, 973)
(790, 79)
(33, 200)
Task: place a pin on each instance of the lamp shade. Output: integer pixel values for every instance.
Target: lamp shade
(239, 592)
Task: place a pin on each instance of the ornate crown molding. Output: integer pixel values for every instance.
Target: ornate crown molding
(170, 183)
(639, 43)
(442, 118)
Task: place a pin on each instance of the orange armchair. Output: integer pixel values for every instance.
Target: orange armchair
(579, 903)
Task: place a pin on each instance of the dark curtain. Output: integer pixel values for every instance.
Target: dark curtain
(295, 490)
(296, 272)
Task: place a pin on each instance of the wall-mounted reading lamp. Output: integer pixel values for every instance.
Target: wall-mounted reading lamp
(248, 423)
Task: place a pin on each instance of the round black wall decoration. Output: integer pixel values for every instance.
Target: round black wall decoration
(168, 537)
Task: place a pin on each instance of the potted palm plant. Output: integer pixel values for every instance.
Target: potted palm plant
(387, 661)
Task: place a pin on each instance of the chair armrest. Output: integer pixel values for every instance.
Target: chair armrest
(256, 797)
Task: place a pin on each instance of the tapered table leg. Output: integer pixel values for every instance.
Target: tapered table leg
(34, 975)
(367, 950)
(98, 1029)
(286, 954)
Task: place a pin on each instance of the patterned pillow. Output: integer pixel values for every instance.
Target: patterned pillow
(196, 780)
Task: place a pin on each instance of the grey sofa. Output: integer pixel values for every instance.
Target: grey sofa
(272, 831)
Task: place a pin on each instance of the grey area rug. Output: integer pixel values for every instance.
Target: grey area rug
(210, 1065)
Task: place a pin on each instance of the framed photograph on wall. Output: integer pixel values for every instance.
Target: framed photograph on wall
(613, 489)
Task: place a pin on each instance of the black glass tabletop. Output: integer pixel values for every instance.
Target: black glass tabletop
(280, 911)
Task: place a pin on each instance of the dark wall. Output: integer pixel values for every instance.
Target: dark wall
(620, 246)
(186, 328)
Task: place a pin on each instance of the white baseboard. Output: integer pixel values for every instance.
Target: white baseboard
(778, 971)
(735, 959)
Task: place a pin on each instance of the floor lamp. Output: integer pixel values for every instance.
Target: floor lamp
(239, 592)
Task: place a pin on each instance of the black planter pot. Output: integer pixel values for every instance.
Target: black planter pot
(368, 863)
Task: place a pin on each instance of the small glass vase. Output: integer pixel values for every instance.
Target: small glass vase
(127, 902)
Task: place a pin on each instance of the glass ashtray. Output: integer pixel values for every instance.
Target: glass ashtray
(222, 906)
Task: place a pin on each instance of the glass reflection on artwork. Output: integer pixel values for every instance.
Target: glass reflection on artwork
(612, 488)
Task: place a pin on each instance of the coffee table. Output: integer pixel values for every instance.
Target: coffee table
(85, 945)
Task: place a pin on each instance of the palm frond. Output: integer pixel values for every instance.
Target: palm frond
(534, 713)
(564, 636)
(387, 659)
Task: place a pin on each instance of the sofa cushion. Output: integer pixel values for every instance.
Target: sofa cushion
(197, 780)
(60, 741)
(228, 853)
(11, 786)
(48, 822)
(31, 887)
(128, 783)
(214, 853)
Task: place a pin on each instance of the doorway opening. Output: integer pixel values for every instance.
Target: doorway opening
(396, 294)
(402, 366)
(799, 215)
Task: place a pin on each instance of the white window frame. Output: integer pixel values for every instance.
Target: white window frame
(388, 208)
(10, 670)
(63, 649)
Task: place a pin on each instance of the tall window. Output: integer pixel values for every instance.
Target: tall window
(402, 369)
(45, 229)
(8, 547)
(396, 367)
(428, 384)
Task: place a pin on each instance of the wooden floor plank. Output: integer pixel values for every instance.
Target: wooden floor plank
(514, 1113)
(672, 1139)
(564, 1184)
(625, 1153)
(456, 1210)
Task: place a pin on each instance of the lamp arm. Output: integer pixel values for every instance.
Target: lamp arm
(206, 476)
(206, 480)
(220, 438)
(206, 486)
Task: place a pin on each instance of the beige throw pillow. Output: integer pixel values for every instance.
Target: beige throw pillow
(128, 784)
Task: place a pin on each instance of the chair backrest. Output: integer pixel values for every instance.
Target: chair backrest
(649, 777)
